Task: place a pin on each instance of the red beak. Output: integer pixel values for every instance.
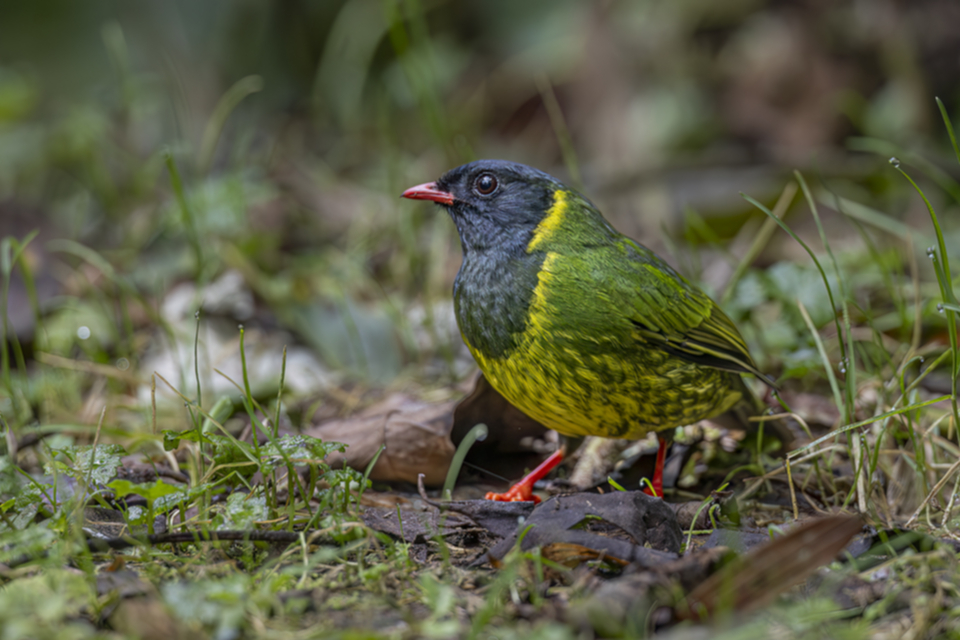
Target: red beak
(428, 191)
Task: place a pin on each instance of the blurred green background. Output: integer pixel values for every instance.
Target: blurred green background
(294, 125)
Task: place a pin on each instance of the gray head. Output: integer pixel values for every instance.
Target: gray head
(494, 203)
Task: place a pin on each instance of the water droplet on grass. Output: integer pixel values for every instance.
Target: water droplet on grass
(940, 307)
(931, 252)
(895, 162)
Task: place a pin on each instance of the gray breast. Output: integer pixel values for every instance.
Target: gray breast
(492, 294)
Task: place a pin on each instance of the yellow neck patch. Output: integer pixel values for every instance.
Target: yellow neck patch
(552, 221)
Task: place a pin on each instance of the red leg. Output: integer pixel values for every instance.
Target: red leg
(657, 481)
(523, 490)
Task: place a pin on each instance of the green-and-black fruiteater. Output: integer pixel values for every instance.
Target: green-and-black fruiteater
(581, 328)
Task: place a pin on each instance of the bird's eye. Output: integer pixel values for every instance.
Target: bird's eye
(485, 184)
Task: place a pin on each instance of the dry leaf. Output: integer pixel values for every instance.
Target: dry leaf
(620, 525)
(755, 579)
(416, 435)
(573, 555)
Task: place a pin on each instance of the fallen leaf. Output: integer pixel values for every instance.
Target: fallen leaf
(421, 437)
(755, 579)
(696, 514)
(627, 525)
(620, 606)
(415, 434)
(411, 525)
(573, 555)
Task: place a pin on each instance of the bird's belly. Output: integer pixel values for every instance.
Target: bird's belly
(605, 392)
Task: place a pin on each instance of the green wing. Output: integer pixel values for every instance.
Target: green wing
(671, 314)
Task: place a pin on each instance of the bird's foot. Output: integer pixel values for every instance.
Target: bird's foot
(655, 488)
(520, 492)
(523, 490)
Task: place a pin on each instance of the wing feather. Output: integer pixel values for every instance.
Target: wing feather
(671, 314)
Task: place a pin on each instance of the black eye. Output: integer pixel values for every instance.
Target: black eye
(485, 184)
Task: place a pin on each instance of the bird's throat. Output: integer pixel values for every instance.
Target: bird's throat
(492, 296)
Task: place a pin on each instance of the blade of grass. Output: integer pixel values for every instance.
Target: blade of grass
(252, 406)
(856, 425)
(225, 106)
(918, 448)
(760, 240)
(248, 397)
(945, 280)
(189, 220)
(865, 214)
(949, 125)
(886, 149)
(816, 262)
(478, 432)
(560, 130)
(198, 423)
(849, 364)
(283, 375)
(11, 252)
(831, 377)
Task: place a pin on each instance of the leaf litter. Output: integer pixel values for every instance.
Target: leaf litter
(648, 562)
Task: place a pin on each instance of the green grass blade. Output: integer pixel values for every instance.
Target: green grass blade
(760, 240)
(945, 280)
(863, 423)
(478, 432)
(823, 274)
(560, 130)
(228, 102)
(189, 220)
(849, 366)
(867, 215)
(831, 377)
(949, 125)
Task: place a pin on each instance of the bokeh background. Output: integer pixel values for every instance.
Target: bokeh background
(294, 125)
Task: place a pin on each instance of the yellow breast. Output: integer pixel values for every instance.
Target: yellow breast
(598, 387)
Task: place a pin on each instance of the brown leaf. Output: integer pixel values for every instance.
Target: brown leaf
(622, 525)
(573, 555)
(622, 605)
(695, 514)
(421, 437)
(416, 435)
(754, 580)
(412, 525)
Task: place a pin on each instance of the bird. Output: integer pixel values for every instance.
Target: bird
(583, 329)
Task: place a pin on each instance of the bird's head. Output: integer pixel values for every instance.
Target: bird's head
(494, 203)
